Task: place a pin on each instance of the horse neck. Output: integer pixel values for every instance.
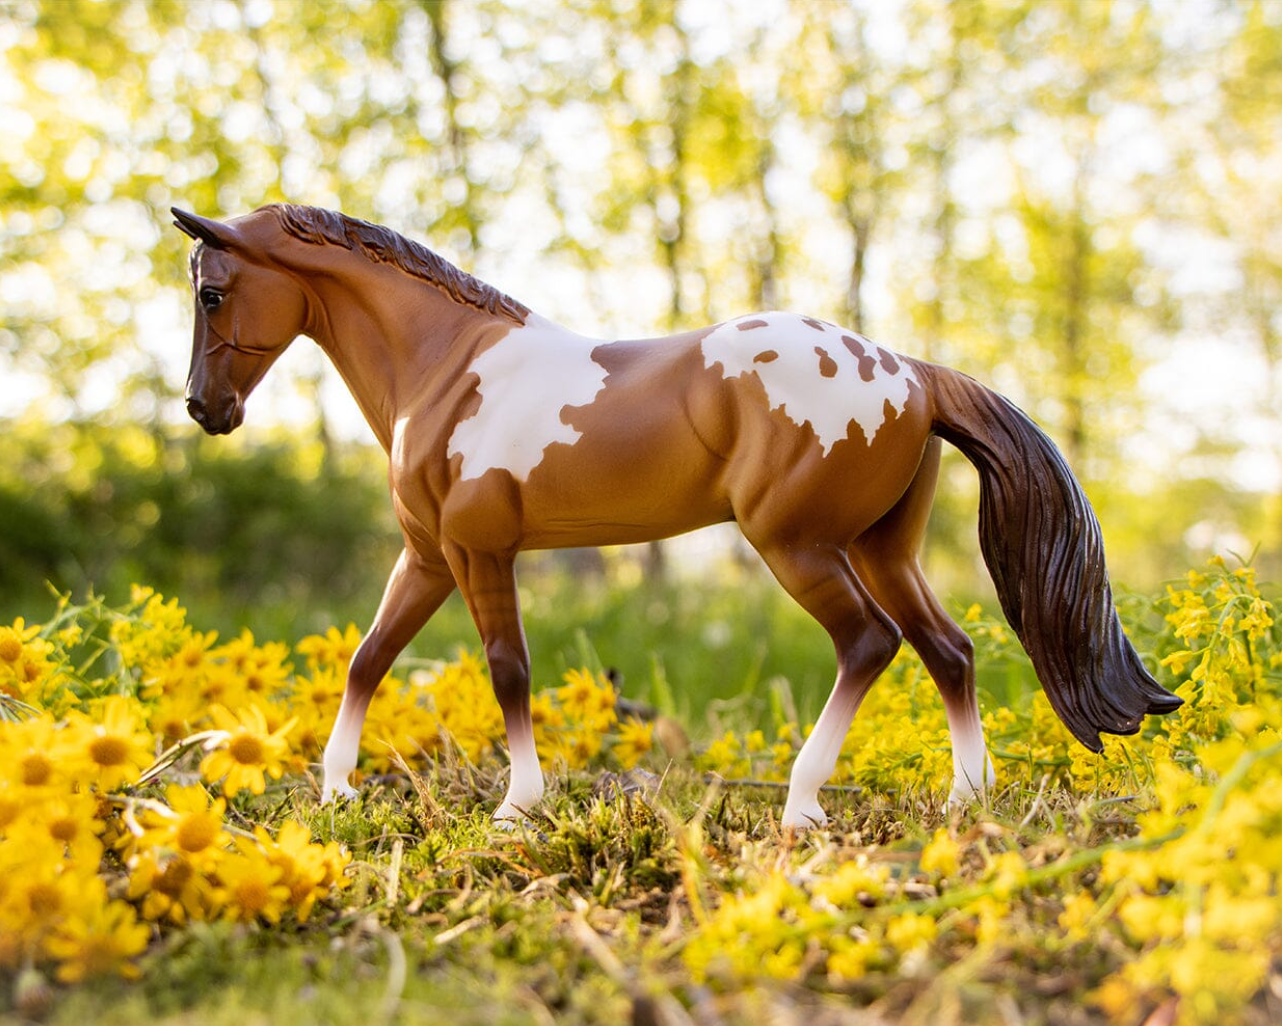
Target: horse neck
(392, 337)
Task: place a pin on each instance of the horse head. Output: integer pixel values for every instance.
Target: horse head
(248, 310)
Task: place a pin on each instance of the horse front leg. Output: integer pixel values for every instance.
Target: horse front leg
(415, 590)
(488, 583)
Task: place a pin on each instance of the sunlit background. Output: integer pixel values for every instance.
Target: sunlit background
(1077, 202)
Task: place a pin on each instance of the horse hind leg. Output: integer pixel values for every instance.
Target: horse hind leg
(949, 658)
(822, 582)
(886, 559)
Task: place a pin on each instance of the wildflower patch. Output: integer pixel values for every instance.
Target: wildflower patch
(154, 786)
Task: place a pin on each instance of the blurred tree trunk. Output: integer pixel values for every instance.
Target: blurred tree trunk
(842, 92)
(447, 71)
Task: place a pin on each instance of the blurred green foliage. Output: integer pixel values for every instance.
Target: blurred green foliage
(229, 528)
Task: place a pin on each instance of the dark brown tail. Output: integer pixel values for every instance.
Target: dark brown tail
(1044, 549)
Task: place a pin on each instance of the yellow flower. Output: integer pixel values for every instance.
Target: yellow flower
(100, 940)
(942, 855)
(990, 915)
(578, 747)
(176, 715)
(12, 640)
(28, 755)
(1079, 909)
(196, 826)
(331, 649)
(42, 890)
(854, 881)
(725, 756)
(308, 870)
(260, 669)
(249, 753)
(634, 741)
(1176, 662)
(910, 931)
(24, 660)
(587, 698)
(109, 747)
(72, 823)
(171, 888)
(1008, 872)
(251, 886)
(851, 959)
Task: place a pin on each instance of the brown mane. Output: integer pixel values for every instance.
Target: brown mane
(383, 246)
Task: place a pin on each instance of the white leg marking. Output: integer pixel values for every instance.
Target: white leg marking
(818, 758)
(525, 787)
(973, 770)
(341, 753)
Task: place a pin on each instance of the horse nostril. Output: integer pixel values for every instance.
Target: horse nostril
(196, 410)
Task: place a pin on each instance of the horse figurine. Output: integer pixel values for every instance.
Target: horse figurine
(505, 432)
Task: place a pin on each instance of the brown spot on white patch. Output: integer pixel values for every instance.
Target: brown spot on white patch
(888, 363)
(765, 356)
(866, 362)
(827, 365)
(811, 322)
(749, 325)
(828, 405)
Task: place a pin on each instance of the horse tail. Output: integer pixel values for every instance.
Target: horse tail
(1045, 552)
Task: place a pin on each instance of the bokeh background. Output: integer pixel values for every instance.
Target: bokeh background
(1077, 202)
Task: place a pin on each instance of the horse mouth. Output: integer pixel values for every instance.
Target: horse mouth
(221, 420)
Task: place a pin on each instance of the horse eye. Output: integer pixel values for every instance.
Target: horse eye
(210, 299)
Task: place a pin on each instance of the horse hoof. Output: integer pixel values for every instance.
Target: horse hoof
(810, 817)
(332, 794)
(508, 817)
(962, 797)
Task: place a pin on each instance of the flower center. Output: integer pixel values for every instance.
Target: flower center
(197, 832)
(36, 769)
(252, 895)
(44, 899)
(10, 649)
(246, 749)
(64, 829)
(174, 878)
(108, 751)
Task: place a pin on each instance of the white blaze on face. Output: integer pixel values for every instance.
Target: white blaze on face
(528, 378)
(815, 372)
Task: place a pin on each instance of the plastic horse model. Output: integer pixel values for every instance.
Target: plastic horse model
(507, 432)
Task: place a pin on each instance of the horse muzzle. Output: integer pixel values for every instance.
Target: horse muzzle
(217, 419)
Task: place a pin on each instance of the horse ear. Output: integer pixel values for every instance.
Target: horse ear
(212, 233)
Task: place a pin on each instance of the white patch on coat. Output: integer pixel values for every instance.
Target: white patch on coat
(528, 378)
(793, 378)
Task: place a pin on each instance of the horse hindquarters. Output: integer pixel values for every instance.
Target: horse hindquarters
(802, 517)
